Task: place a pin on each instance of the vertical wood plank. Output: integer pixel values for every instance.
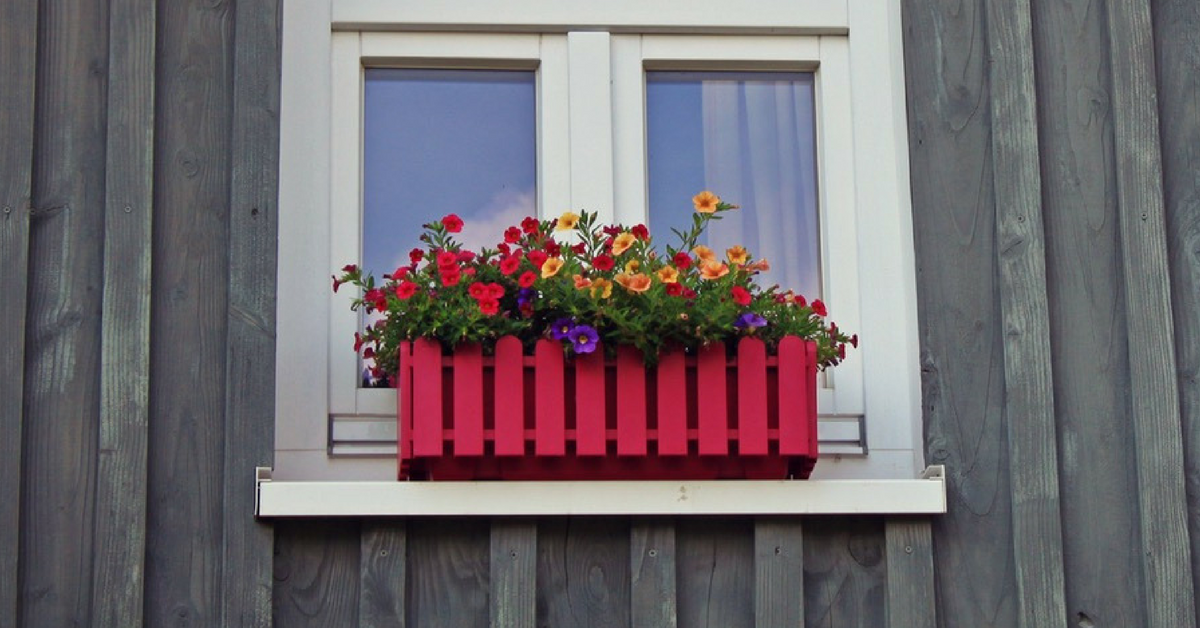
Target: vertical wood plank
(1176, 23)
(672, 404)
(61, 380)
(427, 397)
(710, 400)
(316, 575)
(449, 583)
(631, 402)
(652, 573)
(510, 397)
(844, 573)
(120, 533)
(1021, 260)
(18, 48)
(190, 315)
(250, 351)
(1097, 470)
(382, 574)
(715, 573)
(1154, 385)
(793, 431)
(910, 594)
(513, 598)
(778, 573)
(583, 572)
(468, 400)
(550, 418)
(590, 404)
(752, 397)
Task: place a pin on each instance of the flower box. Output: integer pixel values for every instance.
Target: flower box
(467, 416)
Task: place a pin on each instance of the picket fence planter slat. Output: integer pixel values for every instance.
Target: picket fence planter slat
(511, 416)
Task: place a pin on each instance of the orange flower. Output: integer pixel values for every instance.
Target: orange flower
(737, 255)
(712, 269)
(706, 202)
(601, 288)
(622, 242)
(567, 221)
(704, 253)
(582, 282)
(761, 265)
(550, 267)
(636, 282)
(668, 274)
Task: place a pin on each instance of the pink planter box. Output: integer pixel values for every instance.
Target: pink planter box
(511, 416)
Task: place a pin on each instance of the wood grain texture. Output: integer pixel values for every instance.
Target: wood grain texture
(1154, 386)
(61, 383)
(910, 593)
(18, 47)
(190, 315)
(583, 572)
(383, 574)
(1087, 315)
(448, 573)
(120, 530)
(250, 348)
(513, 598)
(778, 573)
(844, 573)
(316, 574)
(1028, 373)
(1177, 48)
(652, 563)
(715, 574)
(962, 361)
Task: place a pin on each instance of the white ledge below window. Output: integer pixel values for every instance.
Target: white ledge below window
(925, 496)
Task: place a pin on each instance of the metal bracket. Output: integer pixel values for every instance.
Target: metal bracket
(261, 474)
(934, 472)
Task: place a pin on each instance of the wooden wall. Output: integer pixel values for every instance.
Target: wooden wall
(1054, 150)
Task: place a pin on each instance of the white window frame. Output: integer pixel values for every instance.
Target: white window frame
(591, 154)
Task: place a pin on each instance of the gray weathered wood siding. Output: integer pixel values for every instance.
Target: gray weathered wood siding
(1055, 152)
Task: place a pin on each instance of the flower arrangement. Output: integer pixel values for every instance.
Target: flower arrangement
(586, 285)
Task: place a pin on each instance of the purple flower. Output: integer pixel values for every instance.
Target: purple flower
(750, 320)
(562, 327)
(524, 295)
(583, 339)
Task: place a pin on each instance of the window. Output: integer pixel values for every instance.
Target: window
(624, 109)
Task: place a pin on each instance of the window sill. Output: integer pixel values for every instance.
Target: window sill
(774, 497)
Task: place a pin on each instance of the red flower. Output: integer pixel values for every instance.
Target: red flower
(452, 223)
(504, 248)
(369, 353)
(854, 340)
(818, 308)
(376, 298)
(489, 306)
(688, 293)
(336, 283)
(579, 249)
(527, 279)
(800, 301)
(602, 262)
(400, 273)
(466, 256)
(612, 230)
(416, 255)
(469, 271)
(842, 351)
(674, 289)
(512, 235)
(682, 260)
(740, 295)
(405, 290)
(446, 259)
(526, 309)
(495, 291)
(349, 268)
(478, 290)
(537, 258)
(358, 342)
(530, 225)
(509, 264)
(640, 232)
(451, 276)
(552, 248)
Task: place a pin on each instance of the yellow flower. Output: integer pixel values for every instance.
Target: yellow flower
(636, 282)
(601, 287)
(668, 274)
(582, 282)
(551, 267)
(622, 242)
(706, 202)
(567, 221)
(737, 255)
(704, 253)
(712, 269)
(632, 266)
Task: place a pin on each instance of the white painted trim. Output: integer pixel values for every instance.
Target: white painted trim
(590, 79)
(755, 497)
(617, 16)
(629, 130)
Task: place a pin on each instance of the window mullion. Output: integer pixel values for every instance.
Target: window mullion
(591, 127)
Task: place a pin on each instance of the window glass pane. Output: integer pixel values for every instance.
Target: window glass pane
(437, 142)
(750, 138)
